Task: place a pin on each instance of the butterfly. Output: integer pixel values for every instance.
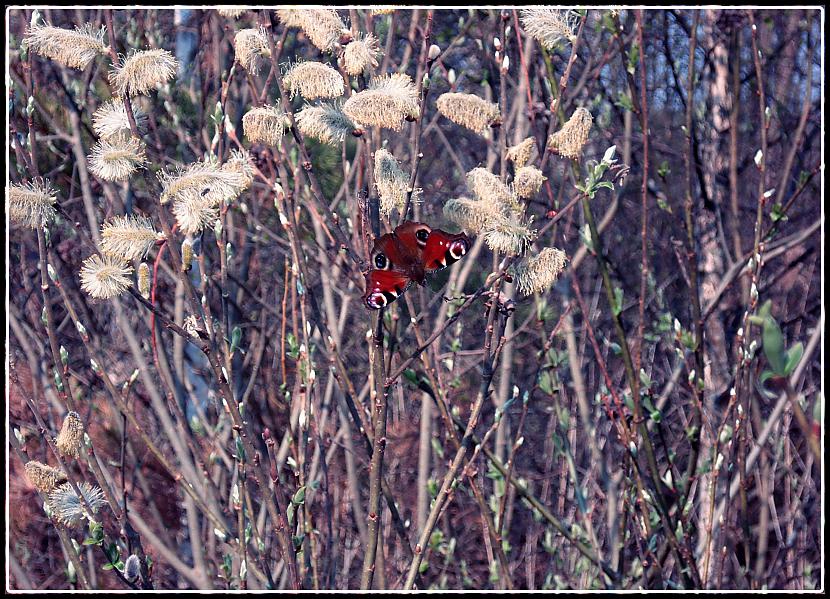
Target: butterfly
(408, 254)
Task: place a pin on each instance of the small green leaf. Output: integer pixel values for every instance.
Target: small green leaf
(793, 358)
(236, 336)
(633, 57)
(437, 448)
(299, 496)
(645, 379)
(411, 377)
(624, 102)
(96, 534)
(618, 301)
(773, 341)
(777, 213)
(240, 450)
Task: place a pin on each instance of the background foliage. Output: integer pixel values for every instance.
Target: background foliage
(648, 421)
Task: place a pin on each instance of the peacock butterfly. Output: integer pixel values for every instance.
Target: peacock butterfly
(407, 254)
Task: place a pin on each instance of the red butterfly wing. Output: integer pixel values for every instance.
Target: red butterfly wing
(400, 251)
(383, 287)
(442, 249)
(392, 271)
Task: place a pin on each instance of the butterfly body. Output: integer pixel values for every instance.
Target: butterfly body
(408, 254)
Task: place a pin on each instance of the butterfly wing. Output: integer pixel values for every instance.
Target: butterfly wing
(402, 251)
(391, 272)
(442, 249)
(383, 287)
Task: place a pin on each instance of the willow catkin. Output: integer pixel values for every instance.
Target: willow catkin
(116, 157)
(327, 124)
(549, 26)
(540, 272)
(470, 214)
(489, 188)
(250, 48)
(68, 508)
(520, 154)
(313, 80)
(573, 135)
(71, 437)
(388, 102)
(32, 203)
(142, 71)
(322, 26)
(128, 237)
(528, 181)
(264, 124)
(144, 280)
(468, 110)
(105, 277)
(43, 477)
(391, 181)
(111, 119)
(187, 254)
(194, 212)
(361, 53)
(214, 183)
(75, 48)
(510, 234)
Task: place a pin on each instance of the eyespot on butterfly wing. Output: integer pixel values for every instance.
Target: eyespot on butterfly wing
(443, 249)
(383, 287)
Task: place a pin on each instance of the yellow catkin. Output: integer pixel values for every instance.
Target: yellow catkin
(144, 280)
(572, 137)
(468, 110)
(361, 53)
(528, 181)
(142, 71)
(520, 154)
(75, 48)
(187, 254)
(105, 277)
(43, 477)
(313, 80)
(540, 272)
(71, 437)
(32, 203)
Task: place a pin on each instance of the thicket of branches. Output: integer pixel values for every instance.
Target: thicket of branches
(617, 387)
